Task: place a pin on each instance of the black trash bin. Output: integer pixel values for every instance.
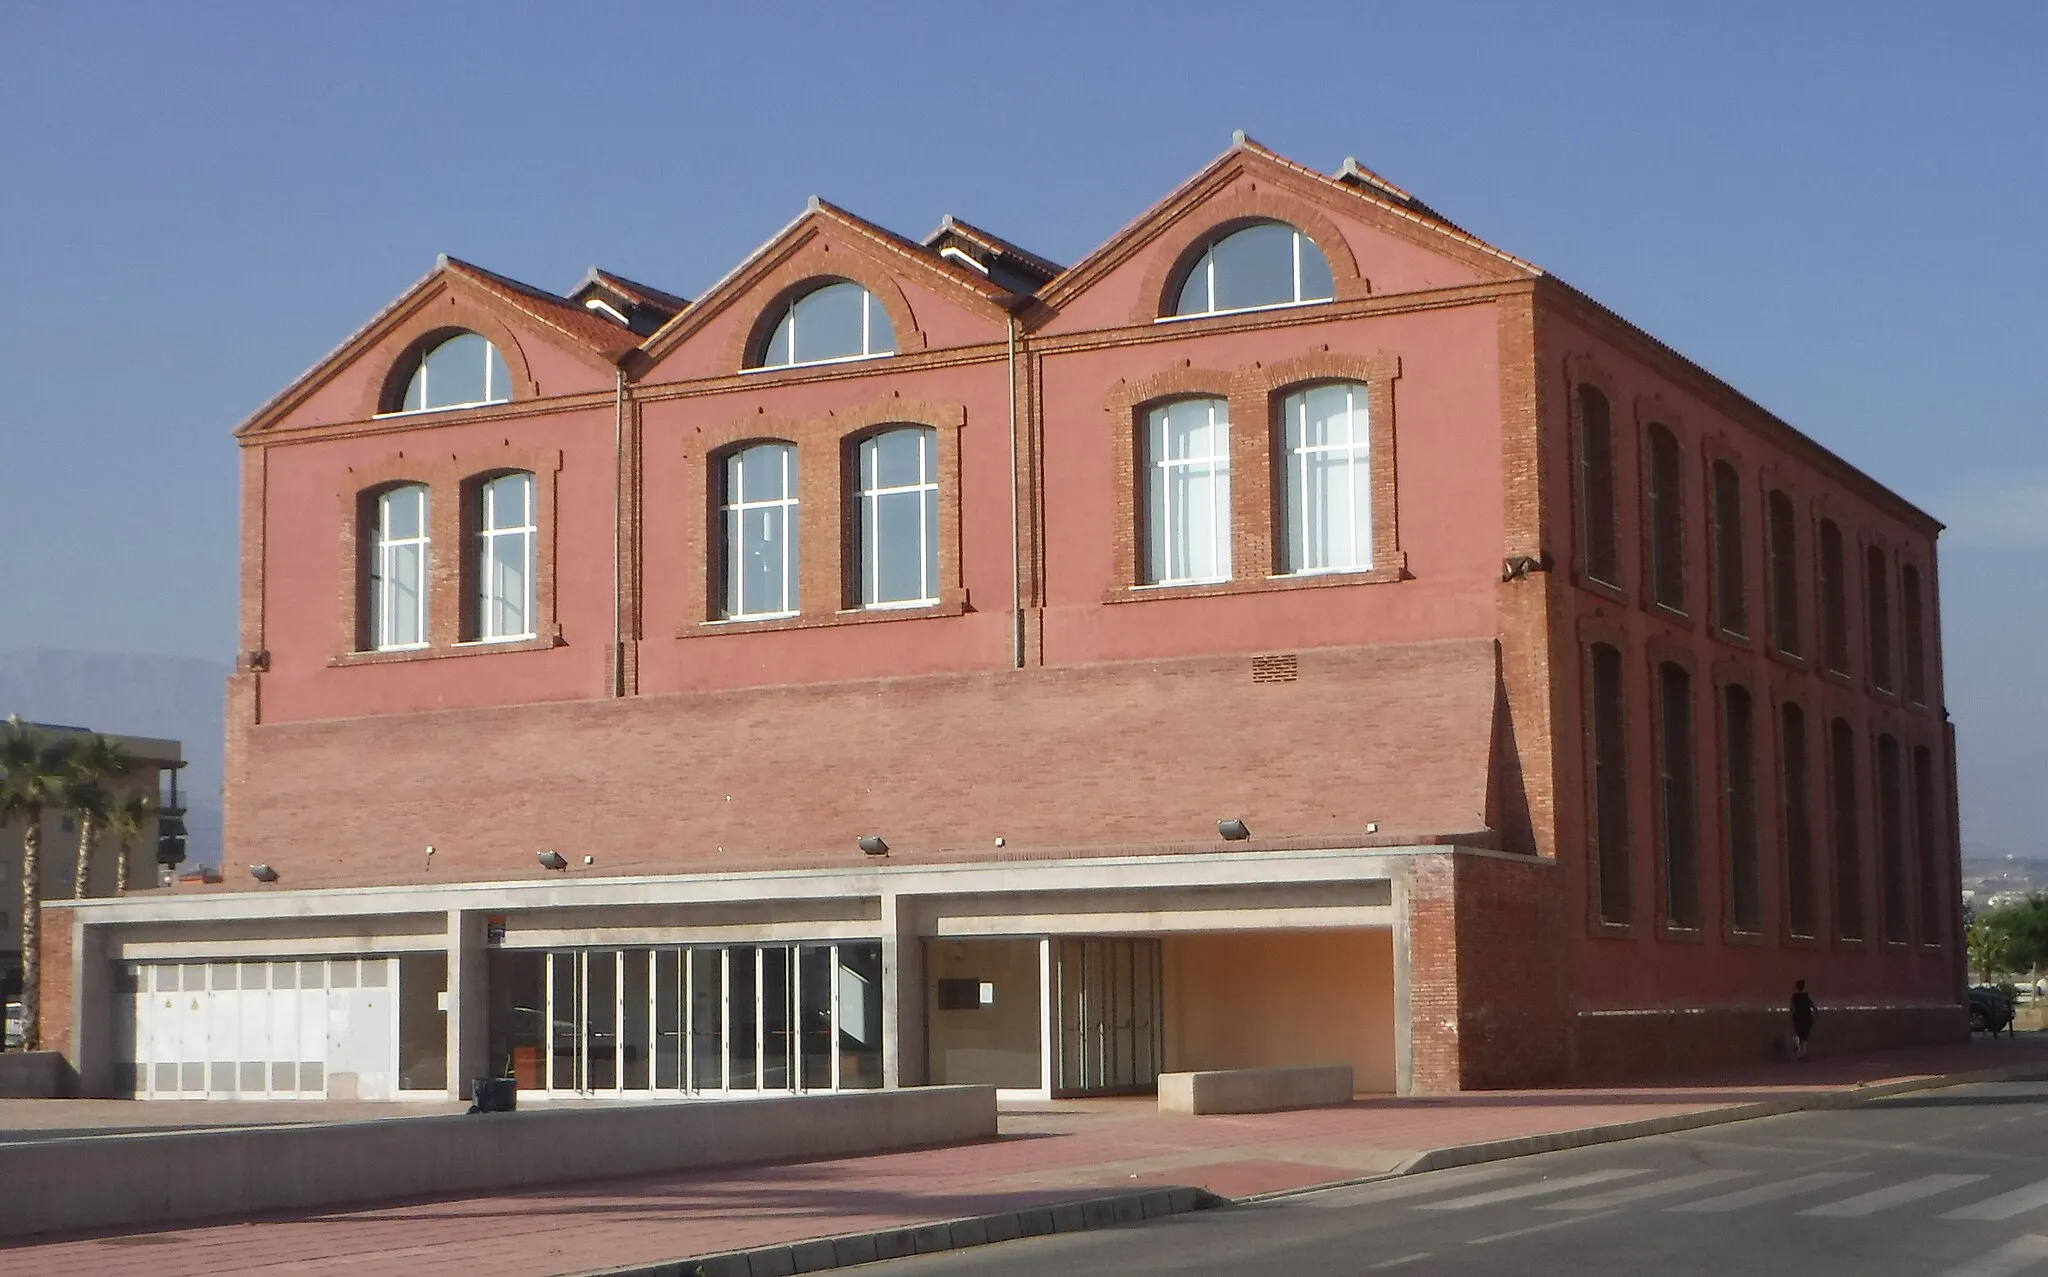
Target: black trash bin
(493, 1094)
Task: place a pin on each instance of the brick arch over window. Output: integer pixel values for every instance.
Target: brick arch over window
(1585, 370)
(814, 263)
(1269, 385)
(1127, 406)
(1239, 207)
(432, 323)
(822, 446)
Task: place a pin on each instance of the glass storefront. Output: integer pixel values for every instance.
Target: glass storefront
(774, 1017)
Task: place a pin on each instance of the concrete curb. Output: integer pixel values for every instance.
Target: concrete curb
(821, 1253)
(1439, 1159)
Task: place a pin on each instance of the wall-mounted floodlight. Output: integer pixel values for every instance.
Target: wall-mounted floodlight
(1233, 829)
(873, 846)
(552, 859)
(263, 873)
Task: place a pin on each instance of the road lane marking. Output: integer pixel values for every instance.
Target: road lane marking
(1396, 1263)
(1539, 1228)
(1772, 1192)
(2005, 1205)
(1897, 1195)
(2017, 1255)
(1412, 1186)
(1536, 1189)
(1638, 1192)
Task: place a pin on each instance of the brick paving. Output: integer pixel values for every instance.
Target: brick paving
(1046, 1153)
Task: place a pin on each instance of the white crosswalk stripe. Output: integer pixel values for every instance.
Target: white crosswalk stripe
(1896, 1195)
(1414, 1186)
(2016, 1256)
(1640, 1192)
(1771, 1192)
(1537, 1189)
(2005, 1205)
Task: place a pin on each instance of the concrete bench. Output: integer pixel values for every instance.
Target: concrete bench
(1255, 1090)
(31, 1075)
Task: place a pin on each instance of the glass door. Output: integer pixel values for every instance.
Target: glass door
(1106, 1016)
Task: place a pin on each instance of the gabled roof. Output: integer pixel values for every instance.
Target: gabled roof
(641, 308)
(888, 243)
(1353, 181)
(596, 338)
(993, 252)
(633, 291)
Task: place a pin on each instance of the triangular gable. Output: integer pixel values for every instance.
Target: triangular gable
(641, 307)
(586, 337)
(1354, 195)
(1018, 269)
(882, 261)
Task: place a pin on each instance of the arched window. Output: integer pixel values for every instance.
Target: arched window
(1894, 909)
(1678, 827)
(1834, 606)
(502, 517)
(1326, 450)
(1843, 815)
(1784, 538)
(1878, 607)
(1738, 776)
(897, 485)
(758, 509)
(840, 320)
(1264, 264)
(1916, 639)
(1798, 806)
(1187, 492)
(462, 371)
(1599, 555)
(1609, 728)
(1665, 490)
(1731, 598)
(398, 569)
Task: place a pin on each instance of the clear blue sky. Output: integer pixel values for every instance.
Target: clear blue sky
(1836, 207)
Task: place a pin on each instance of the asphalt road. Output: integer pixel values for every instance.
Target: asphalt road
(1951, 1183)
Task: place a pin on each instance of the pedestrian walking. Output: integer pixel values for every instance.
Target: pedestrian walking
(1803, 1014)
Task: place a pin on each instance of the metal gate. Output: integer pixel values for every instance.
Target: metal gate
(1106, 1022)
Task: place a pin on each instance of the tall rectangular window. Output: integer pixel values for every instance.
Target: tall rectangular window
(1678, 826)
(1187, 490)
(1843, 821)
(1878, 607)
(1664, 491)
(1891, 839)
(1796, 779)
(1926, 848)
(1731, 601)
(898, 493)
(1739, 778)
(1325, 451)
(398, 570)
(1784, 537)
(758, 519)
(1834, 604)
(1599, 557)
(505, 534)
(1609, 821)
(1913, 621)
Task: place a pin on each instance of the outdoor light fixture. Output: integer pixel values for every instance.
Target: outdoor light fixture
(1233, 829)
(552, 859)
(874, 846)
(263, 873)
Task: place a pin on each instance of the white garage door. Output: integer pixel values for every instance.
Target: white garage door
(287, 1030)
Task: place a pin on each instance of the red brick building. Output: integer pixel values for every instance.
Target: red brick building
(1299, 632)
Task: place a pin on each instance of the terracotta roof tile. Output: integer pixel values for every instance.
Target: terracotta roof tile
(559, 313)
(953, 227)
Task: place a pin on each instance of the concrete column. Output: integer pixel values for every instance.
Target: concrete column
(903, 1044)
(468, 1003)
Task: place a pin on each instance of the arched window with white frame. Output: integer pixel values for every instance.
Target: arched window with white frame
(1326, 451)
(897, 488)
(834, 322)
(505, 530)
(1187, 492)
(758, 520)
(1255, 267)
(461, 371)
(398, 569)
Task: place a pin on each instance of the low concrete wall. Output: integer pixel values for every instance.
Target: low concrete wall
(129, 1179)
(31, 1075)
(1255, 1090)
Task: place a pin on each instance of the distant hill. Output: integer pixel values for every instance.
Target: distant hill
(134, 694)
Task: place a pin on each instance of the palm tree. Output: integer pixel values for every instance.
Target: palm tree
(35, 773)
(125, 821)
(96, 763)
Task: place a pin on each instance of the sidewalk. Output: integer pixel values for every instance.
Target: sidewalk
(1048, 1153)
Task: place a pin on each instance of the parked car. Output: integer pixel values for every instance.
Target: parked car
(1989, 1010)
(11, 1027)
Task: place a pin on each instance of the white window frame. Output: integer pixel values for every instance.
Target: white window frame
(732, 513)
(490, 534)
(492, 394)
(1159, 484)
(1207, 264)
(870, 305)
(384, 550)
(869, 493)
(1358, 456)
